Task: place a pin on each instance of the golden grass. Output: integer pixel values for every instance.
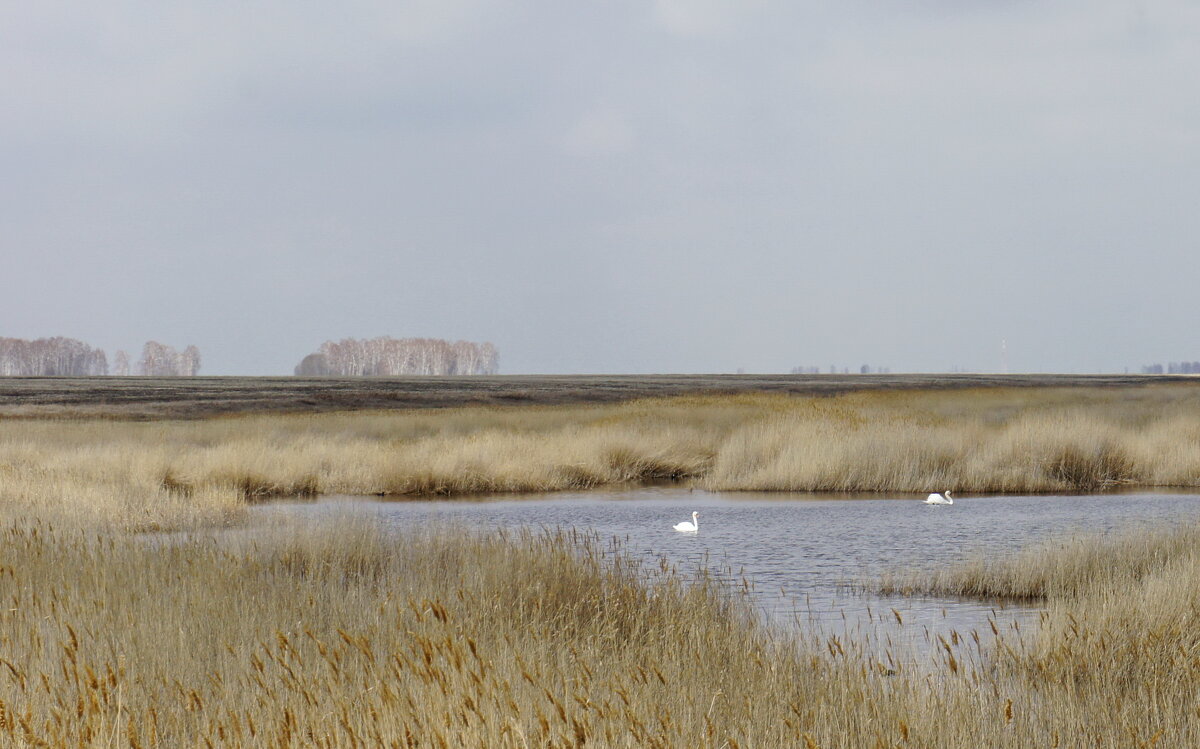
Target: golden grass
(348, 636)
(159, 474)
(1057, 568)
(1137, 643)
(344, 636)
(1117, 649)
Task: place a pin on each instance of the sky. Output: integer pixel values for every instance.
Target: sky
(608, 187)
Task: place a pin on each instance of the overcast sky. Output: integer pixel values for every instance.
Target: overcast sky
(617, 186)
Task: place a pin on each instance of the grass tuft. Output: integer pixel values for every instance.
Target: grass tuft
(1081, 469)
(1057, 568)
(995, 440)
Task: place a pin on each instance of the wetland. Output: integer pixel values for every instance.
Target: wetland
(1055, 603)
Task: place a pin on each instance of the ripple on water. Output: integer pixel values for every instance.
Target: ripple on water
(802, 553)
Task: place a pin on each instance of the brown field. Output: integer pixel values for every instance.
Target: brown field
(197, 397)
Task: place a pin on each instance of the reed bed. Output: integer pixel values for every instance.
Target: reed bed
(1055, 569)
(1116, 651)
(348, 635)
(345, 635)
(1139, 644)
(185, 473)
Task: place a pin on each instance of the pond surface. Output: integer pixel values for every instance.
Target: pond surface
(802, 553)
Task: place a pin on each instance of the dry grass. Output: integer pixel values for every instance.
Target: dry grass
(347, 636)
(344, 636)
(1131, 647)
(1116, 655)
(983, 441)
(184, 473)
(1056, 569)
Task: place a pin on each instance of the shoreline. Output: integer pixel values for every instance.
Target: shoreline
(684, 489)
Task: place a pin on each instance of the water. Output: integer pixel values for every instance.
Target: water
(802, 554)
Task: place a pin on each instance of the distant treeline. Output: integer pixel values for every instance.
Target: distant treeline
(67, 357)
(63, 357)
(834, 369)
(385, 356)
(1185, 367)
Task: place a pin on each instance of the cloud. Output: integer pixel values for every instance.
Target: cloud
(600, 132)
(133, 66)
(702, 18)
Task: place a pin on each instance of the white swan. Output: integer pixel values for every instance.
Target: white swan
(938, 499)
(692, 527)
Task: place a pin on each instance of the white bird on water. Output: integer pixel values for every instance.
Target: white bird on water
(692, 527)
(938, 499)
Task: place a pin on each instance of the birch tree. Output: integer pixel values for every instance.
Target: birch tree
(386, 356)
(161, 360)
(58, 356)
(189, 362)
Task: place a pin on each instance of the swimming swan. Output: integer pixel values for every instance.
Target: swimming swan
(938, 499)
(692, 527)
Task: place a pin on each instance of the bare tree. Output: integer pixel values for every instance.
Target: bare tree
(313, 365)
(160, 360)
(155, 361)
(189, 362)
(120, 366)
(489, 359)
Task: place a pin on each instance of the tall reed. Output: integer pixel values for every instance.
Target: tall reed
(1114, 656)
(1056, 568)
(345, 635)
(342, 636)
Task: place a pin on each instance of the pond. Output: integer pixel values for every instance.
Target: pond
(802, 553)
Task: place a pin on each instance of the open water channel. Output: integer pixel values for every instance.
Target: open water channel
(803, 554)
